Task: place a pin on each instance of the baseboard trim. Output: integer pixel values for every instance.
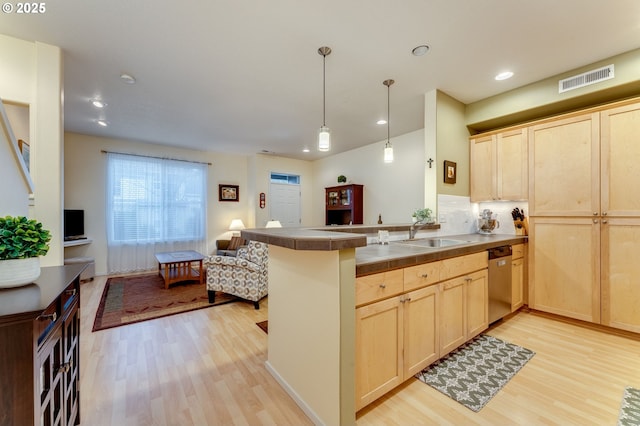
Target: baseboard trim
(294, 395)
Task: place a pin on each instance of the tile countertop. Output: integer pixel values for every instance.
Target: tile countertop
(374, 258)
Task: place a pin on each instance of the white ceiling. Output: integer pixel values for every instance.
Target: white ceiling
(243, 76)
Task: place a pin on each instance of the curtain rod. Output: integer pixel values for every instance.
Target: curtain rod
(151, 156)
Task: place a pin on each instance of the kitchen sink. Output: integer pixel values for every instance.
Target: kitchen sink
(434, 242)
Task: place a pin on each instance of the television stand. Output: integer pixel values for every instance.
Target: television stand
(77, 242)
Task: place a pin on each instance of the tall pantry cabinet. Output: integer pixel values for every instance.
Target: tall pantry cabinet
(584, 201)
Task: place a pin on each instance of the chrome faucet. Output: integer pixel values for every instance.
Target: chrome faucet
(415, 227)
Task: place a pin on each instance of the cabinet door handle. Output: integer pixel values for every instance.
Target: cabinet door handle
(383, 285)
(604, 213)
(71, 292)
(468, 279)
(64, 368)
(595, 213)
(52, 317)
(595, 220)
(425, 275)
(408, 299)
(604, 221)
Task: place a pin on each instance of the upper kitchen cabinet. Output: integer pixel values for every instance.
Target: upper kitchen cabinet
(343, 205)
(620, 151)
(564, 167)
(498, 166)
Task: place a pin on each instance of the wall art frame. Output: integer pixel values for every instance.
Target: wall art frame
(228, 192)
(450, 171)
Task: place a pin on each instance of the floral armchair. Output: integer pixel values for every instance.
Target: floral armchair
(245, 275)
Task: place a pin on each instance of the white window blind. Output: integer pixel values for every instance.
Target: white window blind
(153, 205)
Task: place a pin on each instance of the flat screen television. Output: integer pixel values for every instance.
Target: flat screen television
(73, 224)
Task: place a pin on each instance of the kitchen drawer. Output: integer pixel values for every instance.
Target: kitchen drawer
(378, 286)
(461, 265)
(517, 251)
(421, 275)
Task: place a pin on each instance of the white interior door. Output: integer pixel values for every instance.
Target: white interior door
(285, 203)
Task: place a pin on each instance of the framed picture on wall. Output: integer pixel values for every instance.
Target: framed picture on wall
(449, 172)
(228, 192)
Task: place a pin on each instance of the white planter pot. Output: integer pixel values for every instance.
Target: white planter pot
(17, 272)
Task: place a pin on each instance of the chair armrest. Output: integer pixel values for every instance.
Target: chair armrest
(234, 262)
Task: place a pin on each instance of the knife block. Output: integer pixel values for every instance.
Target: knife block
(522, 226)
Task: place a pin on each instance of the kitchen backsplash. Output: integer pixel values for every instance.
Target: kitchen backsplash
(458, 215)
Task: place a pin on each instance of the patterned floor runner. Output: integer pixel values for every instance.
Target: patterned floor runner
(630, 409)
(476, 371)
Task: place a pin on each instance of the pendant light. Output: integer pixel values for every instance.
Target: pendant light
(324, 134)
(388, 148)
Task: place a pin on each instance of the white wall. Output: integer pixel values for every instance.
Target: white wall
(85, 181)
(261, 168)
(31, 74)
(393, 190)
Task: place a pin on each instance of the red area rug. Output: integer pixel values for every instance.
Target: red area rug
(136, 298)
(264, 325)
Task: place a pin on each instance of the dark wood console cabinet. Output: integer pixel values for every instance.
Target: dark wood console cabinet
(40, 350)
(343, 205)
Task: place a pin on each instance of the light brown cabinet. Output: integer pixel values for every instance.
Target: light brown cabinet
(564, 168)
(401, 315)
(463, 309)
(585, 216)
(498, 166)
(517, 277)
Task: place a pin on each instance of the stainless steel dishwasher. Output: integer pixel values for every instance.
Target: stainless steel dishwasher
(499, 282)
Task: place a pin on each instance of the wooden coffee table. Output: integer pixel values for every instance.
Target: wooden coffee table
(176, 266)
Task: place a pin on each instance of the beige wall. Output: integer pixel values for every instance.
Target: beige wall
(31, 74)
(542, 99)
(452, 144)
(85, 182)
(393, 190)
(260, 174)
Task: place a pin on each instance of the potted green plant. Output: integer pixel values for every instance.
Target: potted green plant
(342, 179)
(424, 215)
(22, 241)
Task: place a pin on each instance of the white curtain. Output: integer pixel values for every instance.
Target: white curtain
(153, 205)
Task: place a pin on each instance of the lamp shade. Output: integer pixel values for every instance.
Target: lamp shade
(324, 139)
(388, 153)
(236, 225)
(273, 224)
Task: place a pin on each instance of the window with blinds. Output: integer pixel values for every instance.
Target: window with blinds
(155, 200)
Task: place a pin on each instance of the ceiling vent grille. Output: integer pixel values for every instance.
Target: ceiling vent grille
(585, 79)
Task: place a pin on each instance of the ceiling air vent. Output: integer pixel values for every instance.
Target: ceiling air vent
(585, 79)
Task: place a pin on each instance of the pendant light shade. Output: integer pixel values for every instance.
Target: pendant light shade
(324, 134)
(388, 148)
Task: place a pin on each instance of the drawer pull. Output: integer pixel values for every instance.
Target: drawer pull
(383, 285)
(425, 275)
(52, 317)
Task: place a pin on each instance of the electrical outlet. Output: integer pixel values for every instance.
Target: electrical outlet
(442, 218)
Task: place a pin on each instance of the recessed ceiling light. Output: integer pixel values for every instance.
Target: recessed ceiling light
(420, 50)
(504, 75)
(306, 150)
(103, 123)
(98, 103)
(127, 78)
(381, 122)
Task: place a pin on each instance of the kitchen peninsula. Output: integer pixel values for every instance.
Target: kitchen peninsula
(312, 300)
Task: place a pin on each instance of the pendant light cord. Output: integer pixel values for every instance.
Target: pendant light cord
(324, 90)
(388, 83)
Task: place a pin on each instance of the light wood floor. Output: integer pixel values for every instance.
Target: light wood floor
(207, 368)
